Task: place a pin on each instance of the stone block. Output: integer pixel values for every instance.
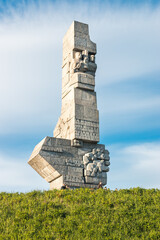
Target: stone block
(53, 176)
(75, 171)
(85, 98)
(84, 86)
(82, 78)
(95, 180)
(57, 183)
(92, 180)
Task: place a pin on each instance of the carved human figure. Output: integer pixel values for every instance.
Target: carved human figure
(102, 167)
(86, 158)
(83, 62)
(94, 152)
(95, 162)
(92, 66)
(77, 62)
(92, 58)
(92, 168)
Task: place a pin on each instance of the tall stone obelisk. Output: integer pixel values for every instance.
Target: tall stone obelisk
(79, 115)
(73, 156)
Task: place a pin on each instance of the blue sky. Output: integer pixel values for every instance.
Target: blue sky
(127, 85)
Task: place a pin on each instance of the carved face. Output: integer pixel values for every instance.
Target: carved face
(92, 58)
(78, 55)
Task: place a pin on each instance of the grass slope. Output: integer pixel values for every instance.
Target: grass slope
(81, 214)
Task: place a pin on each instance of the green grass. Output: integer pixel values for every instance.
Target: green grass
(81, 214)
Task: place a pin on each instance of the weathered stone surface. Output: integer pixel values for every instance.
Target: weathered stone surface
(79, 102)
(95, 165)
(72, 156)
(53, 158)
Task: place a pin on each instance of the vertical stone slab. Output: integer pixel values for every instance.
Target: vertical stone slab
(79, 115)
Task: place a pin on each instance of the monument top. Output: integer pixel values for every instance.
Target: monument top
(77, 38)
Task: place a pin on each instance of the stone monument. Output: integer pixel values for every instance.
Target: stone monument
(73, 156)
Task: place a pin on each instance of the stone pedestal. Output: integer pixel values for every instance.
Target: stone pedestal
(59, 162)
(72, 156)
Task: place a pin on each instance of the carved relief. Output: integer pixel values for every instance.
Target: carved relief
(83, 62)
(96, 162)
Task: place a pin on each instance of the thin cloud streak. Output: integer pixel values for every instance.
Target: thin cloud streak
(127, 104)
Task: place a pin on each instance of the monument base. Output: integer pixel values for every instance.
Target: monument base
(71, 162)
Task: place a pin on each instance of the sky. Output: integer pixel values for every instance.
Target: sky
(127, 85)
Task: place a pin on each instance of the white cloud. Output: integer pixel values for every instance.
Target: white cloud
(16, 175)
(129, 45)
(135, 166)
(123, 112)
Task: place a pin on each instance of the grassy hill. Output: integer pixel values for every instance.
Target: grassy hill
(81, 214)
